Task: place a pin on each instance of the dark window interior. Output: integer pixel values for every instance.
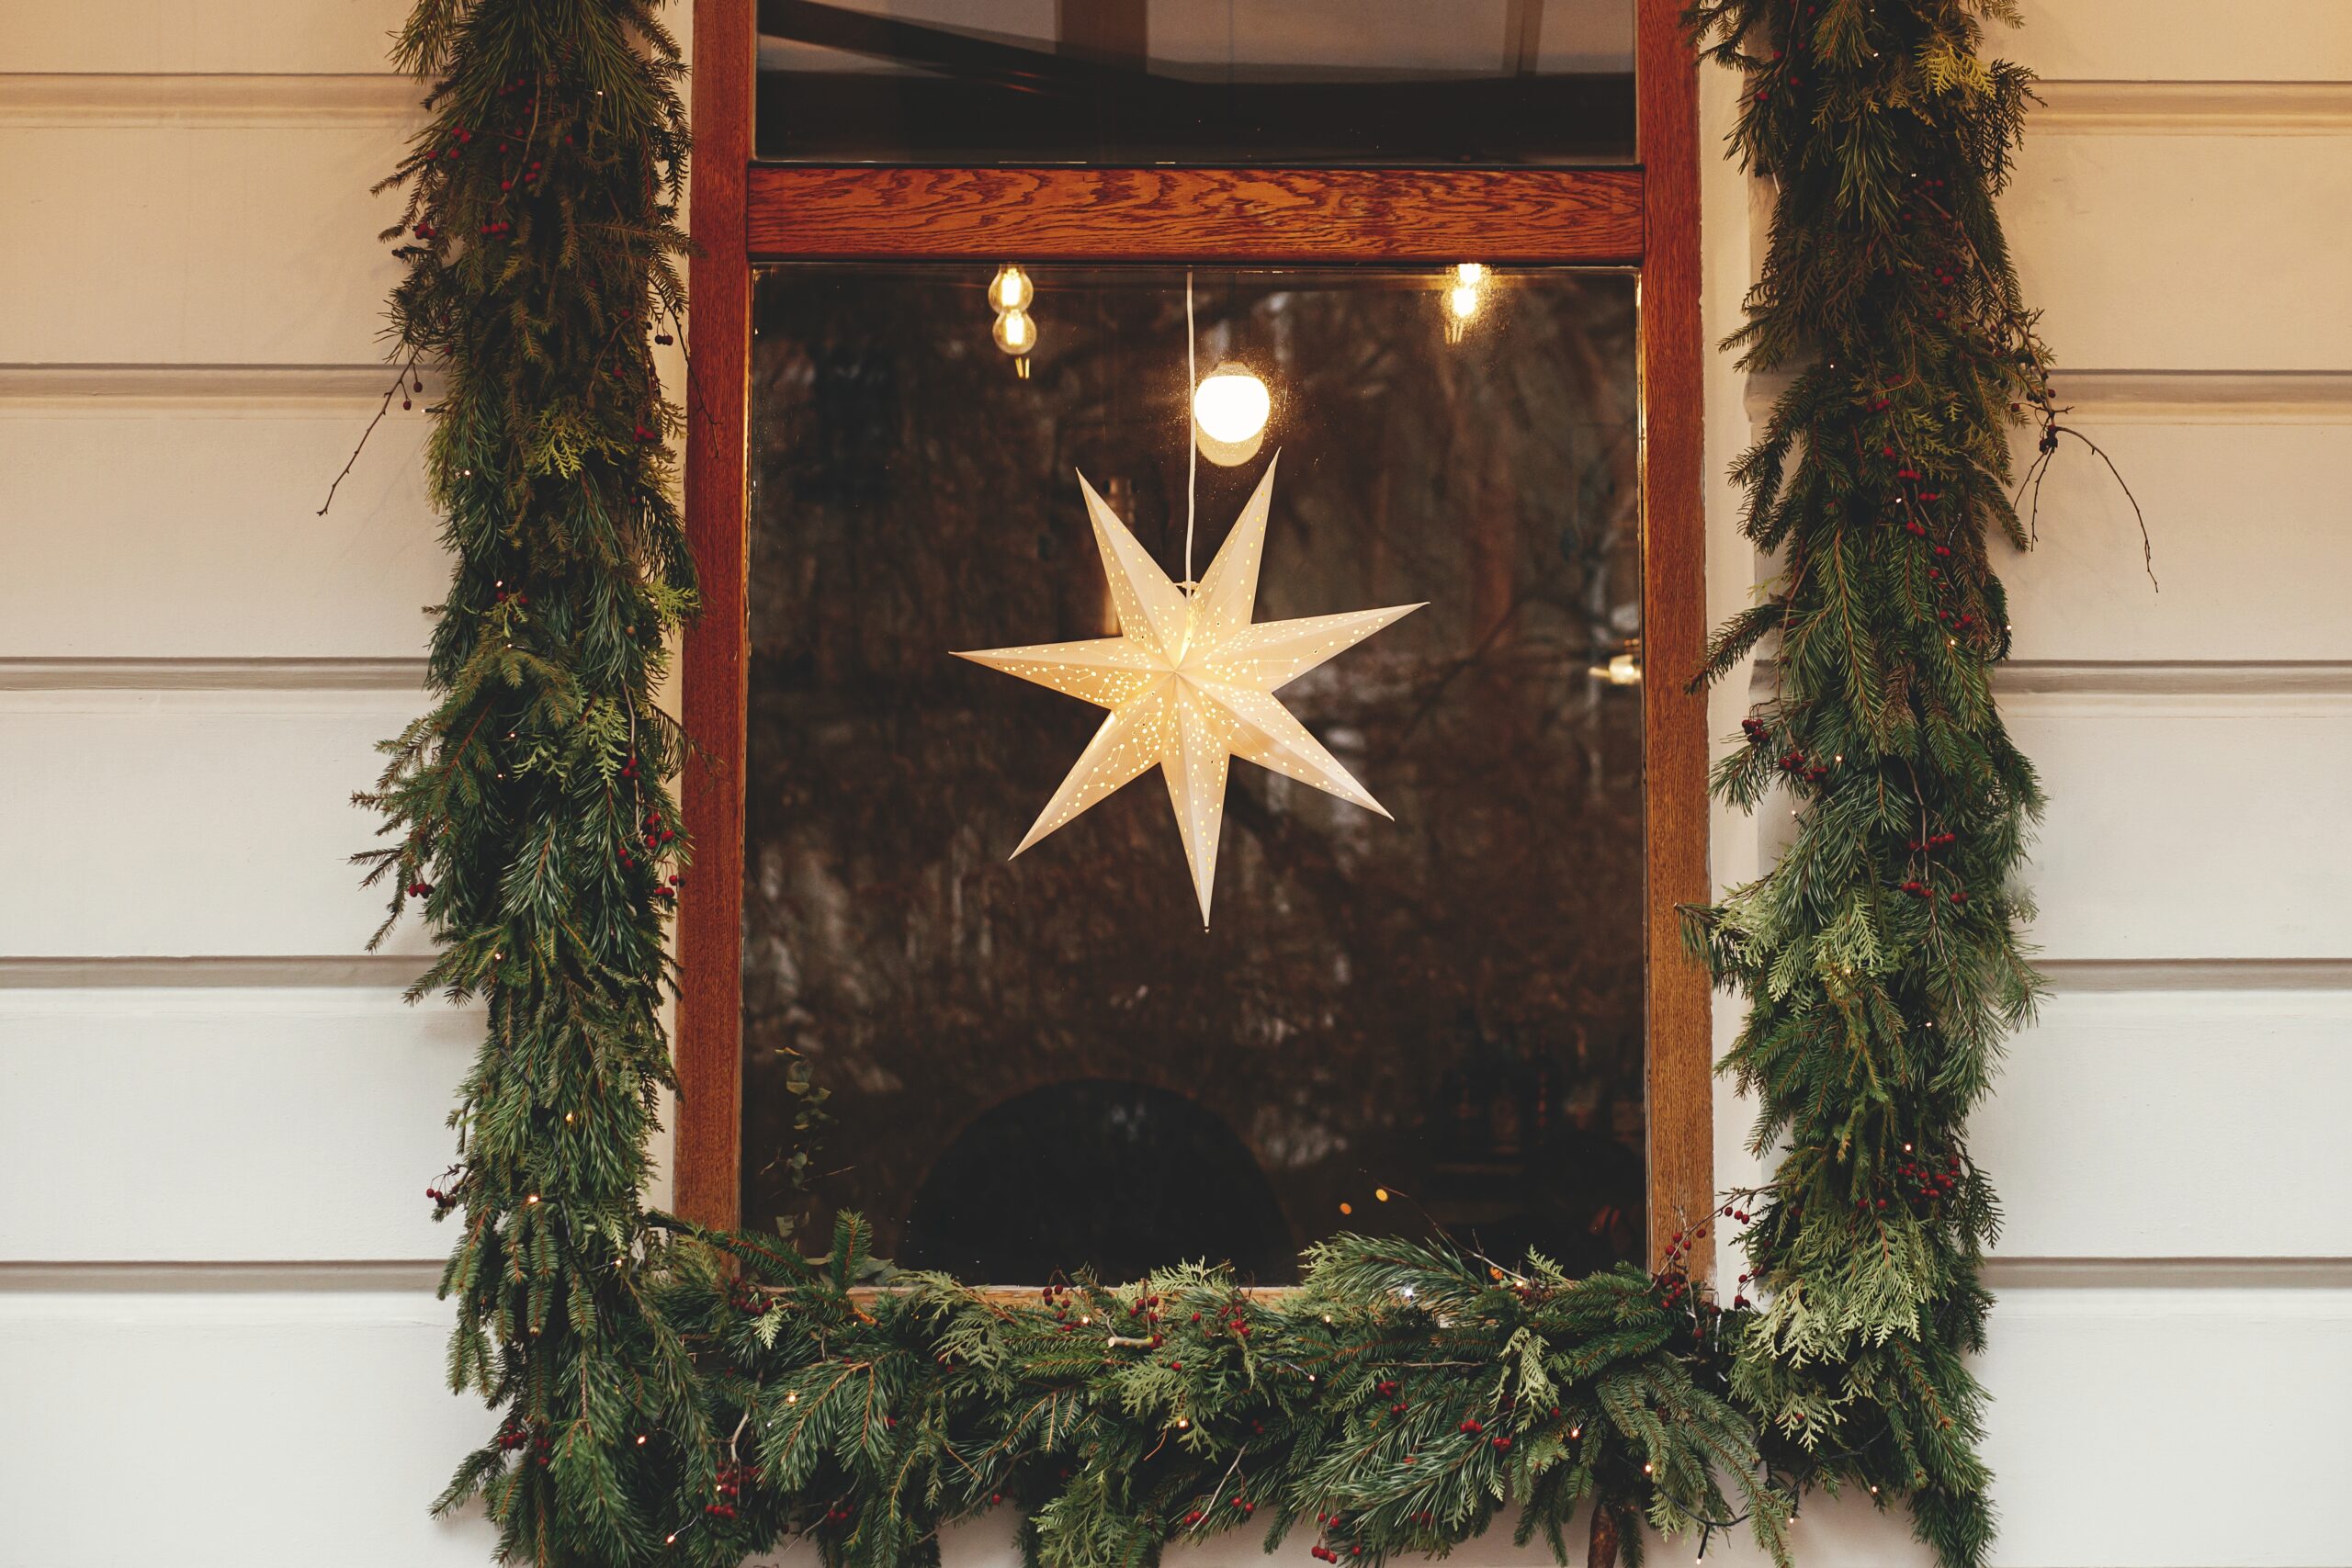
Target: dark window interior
(1035, 1066)
(1393, 82)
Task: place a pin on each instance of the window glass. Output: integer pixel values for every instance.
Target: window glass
(1041, 1063)
(1196, 80)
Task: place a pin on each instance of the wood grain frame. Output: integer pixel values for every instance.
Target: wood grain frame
(1645, 217)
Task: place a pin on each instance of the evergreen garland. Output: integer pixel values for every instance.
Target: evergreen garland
(671, 1396)
(1880, 956)
(526, 810)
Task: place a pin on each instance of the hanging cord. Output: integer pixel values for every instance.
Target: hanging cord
(1192, 445)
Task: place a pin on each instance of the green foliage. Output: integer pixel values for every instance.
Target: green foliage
(525, 811)
(671, 1397)
(1399, 1399)
(1880, 956)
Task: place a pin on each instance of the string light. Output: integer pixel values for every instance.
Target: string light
(1461, 300)
(1010, 292)
(1011, 289)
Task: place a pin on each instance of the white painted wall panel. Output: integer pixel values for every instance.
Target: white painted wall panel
(338, 1094)
(186, 528)
(192, 822)
(2199, 253)
(2183, 1124)
(291, 35)
(2182, 40)
(197, 243)
(2182, 828)
(2096, 1391)
(2102, 1395)
(226, 1123)
(2248, 522)
(239, 1429)
(245, 855)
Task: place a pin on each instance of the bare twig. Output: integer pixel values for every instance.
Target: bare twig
(398, 381)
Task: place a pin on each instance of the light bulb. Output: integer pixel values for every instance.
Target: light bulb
(1010, 290)
(1015, 333)
(1463, 300)
(1470, 274)
(1230, 404)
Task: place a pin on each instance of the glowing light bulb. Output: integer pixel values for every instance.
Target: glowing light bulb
(1462, 299)
(1011, 289)
(1231, 404)
(1015, 332)
(1230, 411)
(1469, 275)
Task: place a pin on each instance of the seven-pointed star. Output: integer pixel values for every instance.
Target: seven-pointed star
(1190, 683)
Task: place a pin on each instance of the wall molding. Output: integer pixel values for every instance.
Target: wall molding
(2192, 108)
(53, 389)
(2204, 679)
(133, 1276)
(2184, 686)
(212, 674)
(2157, 975)
(2167, 1273)
(318, 1277)
(264, 971)
(212, 101)
(2159, 397)
(2207, 397)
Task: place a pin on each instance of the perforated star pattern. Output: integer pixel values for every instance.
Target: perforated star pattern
(1190, 683)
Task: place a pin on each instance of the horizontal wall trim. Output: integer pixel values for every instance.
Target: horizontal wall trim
(212, 674)
(2211, 678)
(2193, 109)
(125, 99)
(128, 1277)
(2197, 973)
(2164, 396)
(128, 98)
(61, 387)
(2208, 397)
(2168, 1273)
(370, 969)
(388, 970)
(142, 1276)
(2239, 683)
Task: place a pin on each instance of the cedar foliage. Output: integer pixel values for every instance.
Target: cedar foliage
(669, 1396)
(525, 810)
(1880, 956)
(1394, 1403)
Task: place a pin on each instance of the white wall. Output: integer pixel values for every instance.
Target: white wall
(215, 1268)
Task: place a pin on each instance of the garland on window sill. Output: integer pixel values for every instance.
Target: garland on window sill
(670, 1396)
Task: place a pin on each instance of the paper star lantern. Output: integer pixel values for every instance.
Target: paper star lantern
(1190, 683)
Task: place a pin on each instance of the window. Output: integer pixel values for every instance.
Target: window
(1477, 1016)
(1393, 82)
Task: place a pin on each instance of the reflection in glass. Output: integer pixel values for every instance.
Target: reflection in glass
(1395, 1026)
(1197, 81)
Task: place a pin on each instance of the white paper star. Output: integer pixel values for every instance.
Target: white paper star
(1190, 683)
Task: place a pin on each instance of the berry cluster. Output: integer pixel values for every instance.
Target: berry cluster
(1922, 1185)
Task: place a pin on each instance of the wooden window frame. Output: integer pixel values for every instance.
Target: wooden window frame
(1644, 216)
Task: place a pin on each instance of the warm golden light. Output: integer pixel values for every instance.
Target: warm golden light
(1010, 290)
(1231, 405)
(1015, 333)
(1469, 275)
(1462, 299)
